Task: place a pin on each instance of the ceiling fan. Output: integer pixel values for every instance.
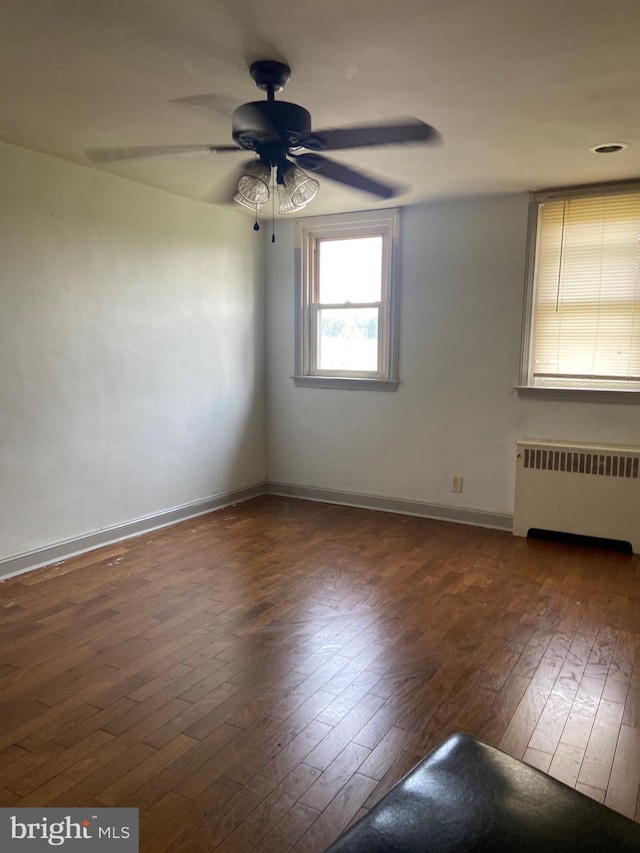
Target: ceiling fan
(280, 135)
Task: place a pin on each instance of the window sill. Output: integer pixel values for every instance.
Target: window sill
(346, 383)
(579, 395)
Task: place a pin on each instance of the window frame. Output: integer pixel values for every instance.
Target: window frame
(308, 232)
(584, 389)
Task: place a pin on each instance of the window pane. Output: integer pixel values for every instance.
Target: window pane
(348, 339)
(350, 270)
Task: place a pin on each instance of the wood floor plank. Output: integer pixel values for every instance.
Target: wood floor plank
(188, 763)
(192, 714)
(289, 829)
(59, 762)
(189, 846)
(337, 815)
(330, 782)
(257, 678)
(537, 758)
(596, 794)
(121, 790)
(52, 791)
(294, 753)
(551, 723)
(341, 734)
(99, 778)
(577, 730)
(566, 764)
(231, 751)
(621, 667)
(96, 722)
(599, 755)
(239, 828)
(624, 782)
(499, 714)
(384, 754)
(173, 819)
(268, 739)
(27, 762)
(526, 716)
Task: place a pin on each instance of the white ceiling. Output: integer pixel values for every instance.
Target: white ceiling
(519, 90)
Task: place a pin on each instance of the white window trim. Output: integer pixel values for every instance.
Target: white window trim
(525, 387)
(359, 224)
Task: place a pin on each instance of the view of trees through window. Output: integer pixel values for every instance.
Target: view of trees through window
(348, 339)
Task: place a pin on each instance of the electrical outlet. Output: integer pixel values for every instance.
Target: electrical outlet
(456, 483)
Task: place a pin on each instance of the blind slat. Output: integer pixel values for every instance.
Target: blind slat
(587, 289)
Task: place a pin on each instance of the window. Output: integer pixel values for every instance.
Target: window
(582, 319)
(346, 301)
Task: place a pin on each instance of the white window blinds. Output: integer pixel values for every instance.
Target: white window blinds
(586, 328)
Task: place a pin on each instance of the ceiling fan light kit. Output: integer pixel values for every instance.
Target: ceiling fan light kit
(278, 132)
(254, 208)
(295, 188)
(301, 186)
(253, 184)
(285, 205)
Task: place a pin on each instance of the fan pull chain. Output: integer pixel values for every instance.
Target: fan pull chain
(273, 212)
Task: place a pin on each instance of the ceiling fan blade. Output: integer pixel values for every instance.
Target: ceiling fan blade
(346, 175)
(390, 133)
(226, 188)
(109, 155)
(221, 104)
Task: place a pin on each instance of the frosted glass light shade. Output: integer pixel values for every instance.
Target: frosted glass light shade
(257, 208)
(302, 187)
(296, 190)
(286, 205)
(253, 185)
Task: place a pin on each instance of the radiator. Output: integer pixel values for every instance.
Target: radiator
(567, 487)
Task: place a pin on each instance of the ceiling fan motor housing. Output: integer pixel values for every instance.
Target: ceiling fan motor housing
(262, 121)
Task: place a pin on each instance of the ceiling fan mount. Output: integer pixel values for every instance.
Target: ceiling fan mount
(270, 75)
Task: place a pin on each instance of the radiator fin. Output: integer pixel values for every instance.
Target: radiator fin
(577, 462)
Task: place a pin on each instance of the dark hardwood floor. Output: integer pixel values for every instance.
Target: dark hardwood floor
(256, 678)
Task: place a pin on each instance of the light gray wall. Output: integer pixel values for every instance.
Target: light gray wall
(132, 360)
(462, 278)
(131, 351)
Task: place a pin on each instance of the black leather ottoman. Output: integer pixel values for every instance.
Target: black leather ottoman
(467, 796)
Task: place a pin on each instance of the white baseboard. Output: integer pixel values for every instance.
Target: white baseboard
(60, 551)
(459, 515)
(68, 548)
